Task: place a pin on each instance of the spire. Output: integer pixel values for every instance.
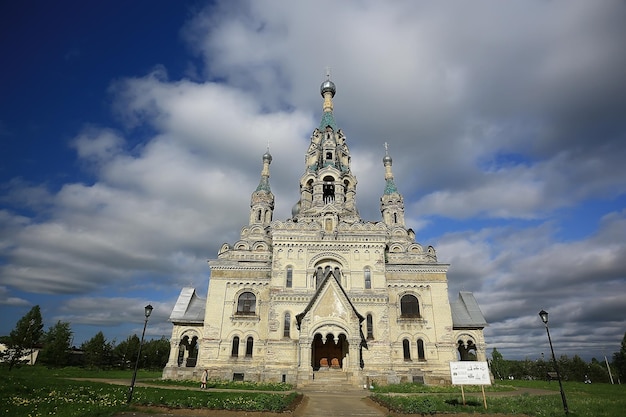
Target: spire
(264, 184)
(262, 201)
(392, 202)
(328, 90)
(390, 186)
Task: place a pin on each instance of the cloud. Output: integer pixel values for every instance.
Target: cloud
(503, 120)
(6, 299)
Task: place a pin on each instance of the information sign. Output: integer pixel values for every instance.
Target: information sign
(470, 373)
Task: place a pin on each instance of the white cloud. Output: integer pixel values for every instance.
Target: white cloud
(508, 115)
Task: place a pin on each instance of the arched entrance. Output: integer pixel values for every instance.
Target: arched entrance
(329, 351)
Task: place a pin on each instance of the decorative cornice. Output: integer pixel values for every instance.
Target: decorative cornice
(407, 268)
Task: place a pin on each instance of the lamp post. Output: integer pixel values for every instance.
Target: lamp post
(544, 317)
(148, 311)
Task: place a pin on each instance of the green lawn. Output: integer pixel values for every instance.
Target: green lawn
(38, 391)
(584, 400)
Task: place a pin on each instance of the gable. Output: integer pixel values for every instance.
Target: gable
(330, 301)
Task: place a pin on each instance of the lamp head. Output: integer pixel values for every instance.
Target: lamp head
(544, 316)
(148, 309)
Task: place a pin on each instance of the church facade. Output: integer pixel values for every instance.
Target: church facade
(325, 292)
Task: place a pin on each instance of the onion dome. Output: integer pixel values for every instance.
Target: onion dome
(295, 210)
(328, 87)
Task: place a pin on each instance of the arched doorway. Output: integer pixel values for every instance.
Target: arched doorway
(329, 351)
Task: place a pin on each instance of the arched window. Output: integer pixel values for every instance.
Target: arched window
(246, 303)
(234, 352)
(249, 345)
(289, 279)
(370, 327)
(287, 325)
(367, 273)
(409, 306)
(406, 348)
(328, 188)
(420, 350)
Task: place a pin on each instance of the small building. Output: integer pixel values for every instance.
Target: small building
(325, 294)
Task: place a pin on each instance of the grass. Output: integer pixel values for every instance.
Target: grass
(408, 388)
(584, 400)
(38, 391)
(220, 384)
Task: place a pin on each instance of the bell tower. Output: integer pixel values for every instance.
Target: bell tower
(327, 187)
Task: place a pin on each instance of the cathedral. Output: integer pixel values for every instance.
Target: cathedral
(325, 297)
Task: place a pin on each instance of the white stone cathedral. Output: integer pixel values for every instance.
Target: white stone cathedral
(325, 296)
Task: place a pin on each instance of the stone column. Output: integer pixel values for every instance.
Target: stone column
(354, 353)
(305, 354)
(173, 359)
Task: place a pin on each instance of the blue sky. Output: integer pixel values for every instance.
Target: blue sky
(131, 136)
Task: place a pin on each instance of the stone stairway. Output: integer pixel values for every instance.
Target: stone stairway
(332, 380)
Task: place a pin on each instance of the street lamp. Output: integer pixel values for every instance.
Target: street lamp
(544, 318)
(148, 311)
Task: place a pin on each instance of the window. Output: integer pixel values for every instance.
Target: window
(409, 306)
(234, 352)
(406, 347)
(289, 280)
(368, 278)
(328, 188)
(287, 325)
(370, 327)
(246, 303)
(420, 350)
(249, 343)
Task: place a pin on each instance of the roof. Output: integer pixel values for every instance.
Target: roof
(466, 312)
(189, 307)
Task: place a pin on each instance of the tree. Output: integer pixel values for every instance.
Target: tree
(499, 367)
(157, 352)
(98, 352)
(58, 339)
(126, 352)
(23, 338)
(619, 360)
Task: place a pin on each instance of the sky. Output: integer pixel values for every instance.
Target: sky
(132, 135)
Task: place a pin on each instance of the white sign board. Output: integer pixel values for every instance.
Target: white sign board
(470, 373)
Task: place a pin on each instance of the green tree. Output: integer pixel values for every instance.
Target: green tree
(499, 366)
(157, 352)
(97, 351)
(598, 371)
(58, 339)
(619, 360)
(24, 338)
(126, 352)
